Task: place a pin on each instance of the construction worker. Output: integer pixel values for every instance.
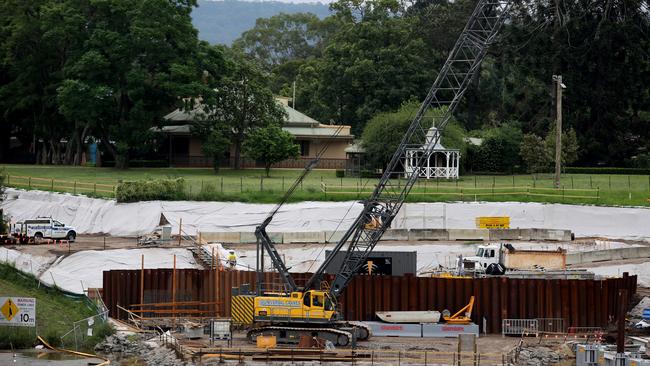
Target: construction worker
(231, 259)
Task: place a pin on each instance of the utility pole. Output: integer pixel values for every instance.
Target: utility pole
(559, 86)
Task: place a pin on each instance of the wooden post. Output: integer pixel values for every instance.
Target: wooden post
(95, 188)
(241, 184)
(29, 182)
(558, 127)
(74, 190)
(52, 184)
(221, 184)
(261, 183)
(180, 230)
(174, 293)
(622, 310)
(141, 282)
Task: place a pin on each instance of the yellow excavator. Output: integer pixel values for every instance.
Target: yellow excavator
(312, 309)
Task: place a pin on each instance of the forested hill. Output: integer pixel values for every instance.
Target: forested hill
(221, 22)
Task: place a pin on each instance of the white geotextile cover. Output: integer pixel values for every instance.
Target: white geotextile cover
(96, 216)
(24, 262)
(84, 269)
(642, 270)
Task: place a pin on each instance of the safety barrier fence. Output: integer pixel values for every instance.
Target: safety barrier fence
(52, 184)
(519, 327)
(578, 302)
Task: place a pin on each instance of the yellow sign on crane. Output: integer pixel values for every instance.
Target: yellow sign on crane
(493, 222)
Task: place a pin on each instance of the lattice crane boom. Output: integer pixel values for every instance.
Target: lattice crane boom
(390, 193)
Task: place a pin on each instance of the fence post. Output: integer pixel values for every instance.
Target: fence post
(283, 183)
(261, 183)
(591, 185)
(474, 181)
(610, 181)
(221, 184)
(241, 184)
(52, 184)
(95, 188)
(29, 182)
(201, 185)
(10, 176)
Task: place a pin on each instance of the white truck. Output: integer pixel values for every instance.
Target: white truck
(495, 259)
(42, 228)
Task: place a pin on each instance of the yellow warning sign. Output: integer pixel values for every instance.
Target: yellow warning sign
(9, 309)
(493, 222)
(18, 311)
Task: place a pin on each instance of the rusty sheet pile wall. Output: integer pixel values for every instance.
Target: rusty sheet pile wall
(581, 303)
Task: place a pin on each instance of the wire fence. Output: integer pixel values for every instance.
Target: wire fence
(574, 187)
(74, 187)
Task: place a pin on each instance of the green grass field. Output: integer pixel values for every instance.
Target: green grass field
(250, 185)
(55, 314)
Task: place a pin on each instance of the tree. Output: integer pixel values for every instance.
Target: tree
(534, 153)
(243, 102)
(383, 133)
(372, 64)
(569, 146)
(137, 61)
(499, 151)
(270, 145)
(281, 38)
(3, 225)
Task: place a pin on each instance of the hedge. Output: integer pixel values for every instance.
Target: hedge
(606, 170)
(137, 163)
(149, 190)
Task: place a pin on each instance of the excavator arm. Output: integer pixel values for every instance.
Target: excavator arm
(419, 141)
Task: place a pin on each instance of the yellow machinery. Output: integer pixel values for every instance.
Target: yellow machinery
(463, 315)
(311, 306)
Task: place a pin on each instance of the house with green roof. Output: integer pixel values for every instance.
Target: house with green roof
(184, 148)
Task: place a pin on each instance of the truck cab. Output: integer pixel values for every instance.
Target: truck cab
(484, 256)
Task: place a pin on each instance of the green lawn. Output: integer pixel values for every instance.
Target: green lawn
(55, 313)
(250, 185)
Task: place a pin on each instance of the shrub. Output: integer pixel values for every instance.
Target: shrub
(139, 163)
(340, 173)
(606, 170)
(152, 189)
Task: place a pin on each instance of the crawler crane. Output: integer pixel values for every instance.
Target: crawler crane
(312, 309)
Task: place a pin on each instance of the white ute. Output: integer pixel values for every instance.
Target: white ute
(44, 228)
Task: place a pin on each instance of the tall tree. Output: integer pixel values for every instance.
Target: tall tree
(136, 63)
(281, 38)
(372, 64)
(243, 102)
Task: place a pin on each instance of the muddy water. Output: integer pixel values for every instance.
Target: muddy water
(32, 357)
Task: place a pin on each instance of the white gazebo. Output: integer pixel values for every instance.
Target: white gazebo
(442, 163)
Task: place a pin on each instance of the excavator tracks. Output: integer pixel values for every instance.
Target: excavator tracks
(286, 334)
